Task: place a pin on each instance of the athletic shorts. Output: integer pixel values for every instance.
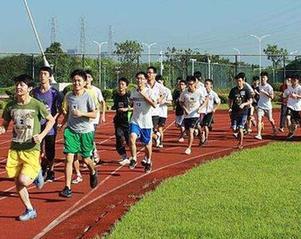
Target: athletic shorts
(26, 162)
(179, 120)
(191, 123)
(77, 143)
(207, 120)
(162, 122)
(145, 135)
(295, 116)
(263, 112)
(155, 120)
(239, 120)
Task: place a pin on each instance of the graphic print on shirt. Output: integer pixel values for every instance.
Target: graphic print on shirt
(23, 125)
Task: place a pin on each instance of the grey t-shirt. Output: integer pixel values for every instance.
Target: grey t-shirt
(83, 103)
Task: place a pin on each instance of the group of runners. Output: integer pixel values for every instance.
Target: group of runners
(140, 114)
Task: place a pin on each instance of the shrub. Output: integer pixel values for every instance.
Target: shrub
(107, 94)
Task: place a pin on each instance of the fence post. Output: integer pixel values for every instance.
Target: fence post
(32, 65)
(236, 65)
(83, 61)
(284, 70)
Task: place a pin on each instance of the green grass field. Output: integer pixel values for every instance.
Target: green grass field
(254, 193)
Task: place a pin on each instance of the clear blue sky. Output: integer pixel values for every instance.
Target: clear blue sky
(214, 26)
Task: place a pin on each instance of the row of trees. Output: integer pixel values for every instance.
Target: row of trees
(127, 60)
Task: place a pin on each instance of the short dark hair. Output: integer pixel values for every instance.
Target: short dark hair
(190, 78)
(197, 74)
(153, 68)
(140, 73)
(79, 72)
(264, 73)
(209, 80)
(159, 77)
(46, 68)
(27, 79)
(255, 78)
(295, 77)
(88, 71)
(241, 75)
(124, 80)
(182, 81)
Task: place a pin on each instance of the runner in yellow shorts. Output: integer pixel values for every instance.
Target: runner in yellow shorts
(23, 157)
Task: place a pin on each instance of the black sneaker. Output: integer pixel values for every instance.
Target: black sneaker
(67, 193)
(93, 180)
(50, 176)
(132, 164)
(143, 162)
(148, 167)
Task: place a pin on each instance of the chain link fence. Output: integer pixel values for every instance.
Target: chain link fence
(108, 68)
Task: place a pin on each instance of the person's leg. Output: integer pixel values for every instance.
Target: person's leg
(190, 137)
(68, 169)
(271, 120)
(22, 182)
(260, 114)
(133, 139)
(76, 166)
(120, 141)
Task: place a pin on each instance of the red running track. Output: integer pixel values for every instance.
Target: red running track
(89, 212)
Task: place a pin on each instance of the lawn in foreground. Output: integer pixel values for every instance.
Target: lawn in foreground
(254, 193)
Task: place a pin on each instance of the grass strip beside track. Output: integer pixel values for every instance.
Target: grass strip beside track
(254, 193)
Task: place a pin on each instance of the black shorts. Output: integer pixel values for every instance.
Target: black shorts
(161, 122)
(155, 120)
(207, 120)
(191, 123)
(295, 116)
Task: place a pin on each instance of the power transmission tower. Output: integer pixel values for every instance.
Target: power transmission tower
(82, 42)
(53, 30)
(110, 41)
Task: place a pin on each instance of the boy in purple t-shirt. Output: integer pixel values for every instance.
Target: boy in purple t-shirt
(52, 100)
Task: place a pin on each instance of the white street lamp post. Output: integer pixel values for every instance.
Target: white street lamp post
(259, 41)
(161, 63)
(99, 45)
(192, 65)
(149, 47)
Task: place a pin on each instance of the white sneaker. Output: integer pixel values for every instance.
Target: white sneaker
(188, 151)
(77, 179)
(181, 140)
(124, 161)
(259, 137)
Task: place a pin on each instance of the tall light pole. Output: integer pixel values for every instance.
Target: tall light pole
(99, 45)
(161, 62)
(192, 65)
(238, 53)
(149, 47)
(259, 41)
(46, 63)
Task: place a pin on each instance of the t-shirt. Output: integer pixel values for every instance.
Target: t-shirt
(158, 91)
(283, 100)
(83, 103)
(239, 96)
(264, 101)
(192, 101)
(213, 99)
(294, 104)
(26, 122)
(52, 100)
(121, 101)
(142, 110)
(163, 108)
(256, 96)
(97, 96)
(176, 97)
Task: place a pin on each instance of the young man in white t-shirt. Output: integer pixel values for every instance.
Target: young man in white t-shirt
(163, 108)
(191, 101)
(212, 101)
(293, 96)
(264, 105)
(158, 91)
(143, 100)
